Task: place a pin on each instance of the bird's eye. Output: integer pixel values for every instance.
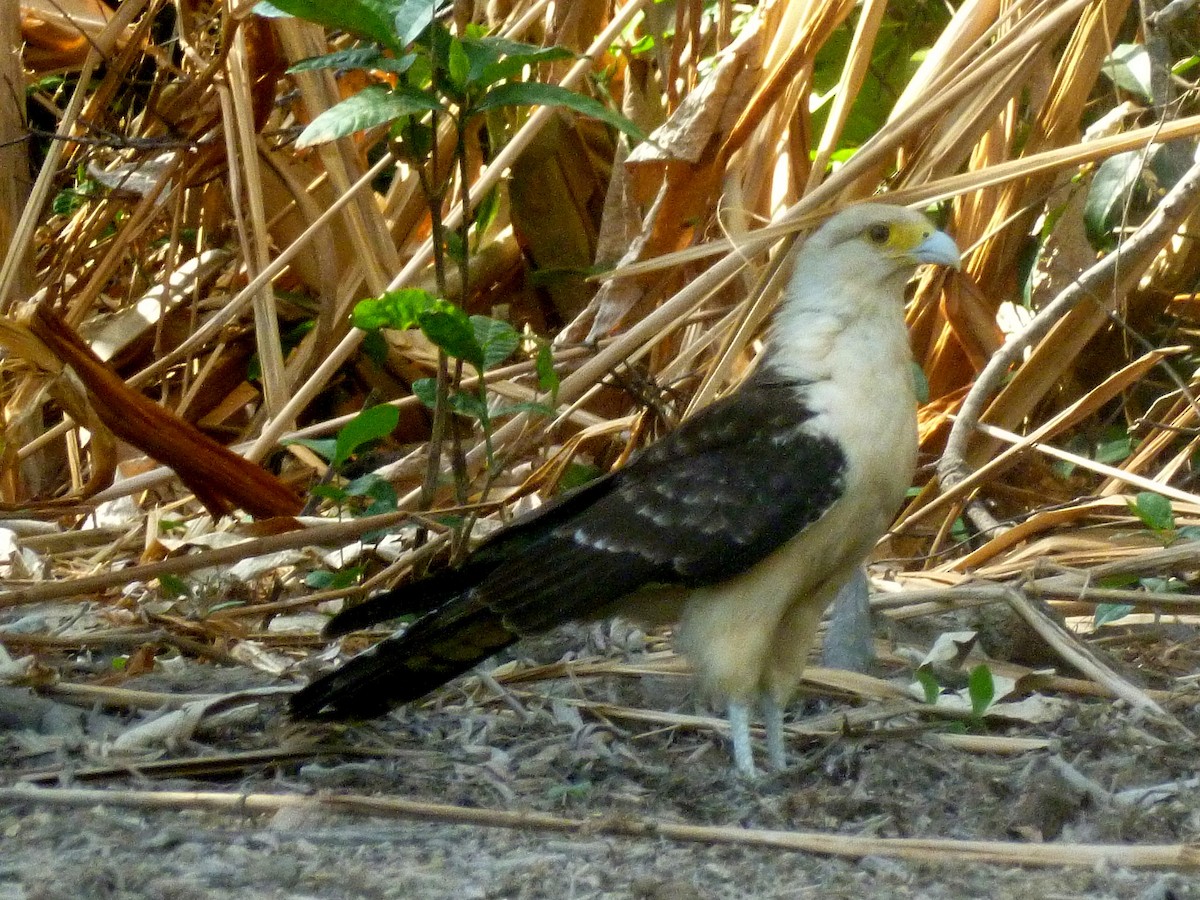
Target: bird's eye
(879, 233)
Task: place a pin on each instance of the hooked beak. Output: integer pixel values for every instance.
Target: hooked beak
(938, 249)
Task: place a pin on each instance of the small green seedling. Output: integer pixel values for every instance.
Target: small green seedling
(981, 688)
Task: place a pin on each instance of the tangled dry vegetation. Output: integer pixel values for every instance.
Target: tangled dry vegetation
(174, 227)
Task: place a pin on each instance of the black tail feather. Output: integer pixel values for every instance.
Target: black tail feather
(416, 598)
(404, 668)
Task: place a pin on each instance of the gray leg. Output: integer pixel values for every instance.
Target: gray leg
(848, 643)
(776, 751)
(739, 731)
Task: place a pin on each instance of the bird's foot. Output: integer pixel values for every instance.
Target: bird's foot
(739, 732)
(776, 749)
(739, 729)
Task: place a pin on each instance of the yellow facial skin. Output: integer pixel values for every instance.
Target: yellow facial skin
(914, 242)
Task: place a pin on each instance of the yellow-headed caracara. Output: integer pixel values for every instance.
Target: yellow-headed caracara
(741, 525)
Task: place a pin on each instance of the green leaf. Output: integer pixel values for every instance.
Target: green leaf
(318, 580)
(513, 67)
(547, 377)
(1111, 612)
(450, 329)
(644, 45)
(375, 348)
(895, 55)
(172, 586)
(1113, 450)
(351, 58)
(455, 248)
(48, 85)
(396, 309)
(412, 17)
(363, 485)
(379, 491)
(368, 58)
(1117, 581)
(532, 93)
(981, 689)
(371, 19)
(1163, 585)
(1190, 532)
(470, 405)
(323, 447)
(436, 41)
(1154, 510)
(498, 339)
(499, 46)
(369, 425)
(1169, 162)
(480, 53)
(458, 65)
(1108, 195)
(929, 685)
(331, 492)
(324, 580)
(1126, 187)
(67, 201)
(425, 390)
(449, 521)
(373, 105)
(578, 474)
(495, 59)
(485, 212)
(921, 383)
(959, 530)
(1129, 68)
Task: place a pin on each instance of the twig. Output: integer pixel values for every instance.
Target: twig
(1144, 796)
(1120, 475)
(93, 694)
(1172, 11)
(194, 767)
(1158, 53)
(1079, 656)
(1167, 856)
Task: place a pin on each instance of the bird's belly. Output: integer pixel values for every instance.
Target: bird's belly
(729, 630)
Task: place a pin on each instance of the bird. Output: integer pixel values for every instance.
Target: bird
(739, 526)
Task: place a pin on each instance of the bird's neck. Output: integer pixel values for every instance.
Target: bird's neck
(850, 368)
(818, 339)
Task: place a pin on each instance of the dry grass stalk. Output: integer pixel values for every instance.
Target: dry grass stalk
(1179, 857)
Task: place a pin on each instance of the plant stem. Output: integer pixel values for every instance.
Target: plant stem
(434, 196)
(464, 268)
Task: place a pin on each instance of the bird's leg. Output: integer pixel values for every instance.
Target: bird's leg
(739, 732)
(773, 714)
(848, 643)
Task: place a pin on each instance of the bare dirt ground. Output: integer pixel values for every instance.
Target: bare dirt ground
(550, 748)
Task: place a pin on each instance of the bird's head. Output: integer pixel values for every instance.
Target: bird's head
(875, 243)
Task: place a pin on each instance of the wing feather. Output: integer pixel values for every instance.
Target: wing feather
(707, 502)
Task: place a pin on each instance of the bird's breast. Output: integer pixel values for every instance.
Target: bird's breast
(865, 400)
